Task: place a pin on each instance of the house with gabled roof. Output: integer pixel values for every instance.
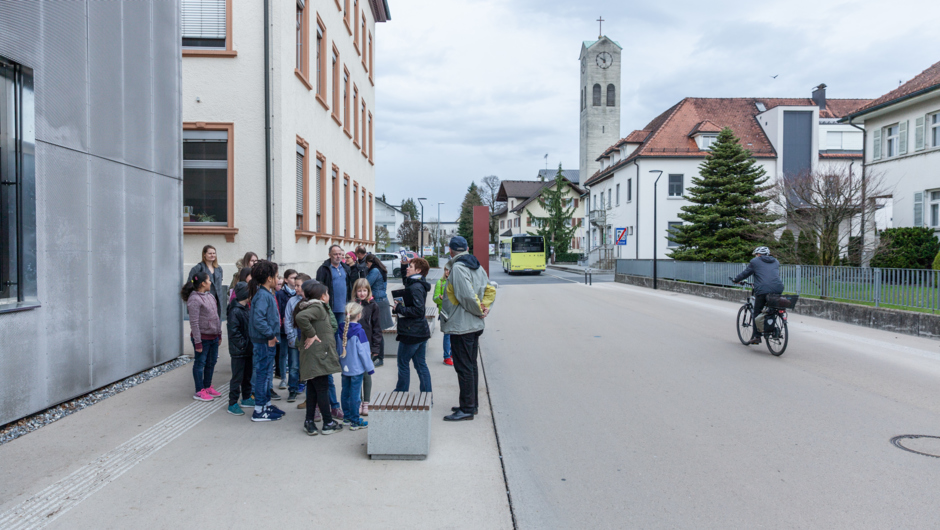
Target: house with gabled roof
(785, 136)
(520, 198)
(902, 146)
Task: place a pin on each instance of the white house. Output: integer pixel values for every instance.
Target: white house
(785, 135)
(521, 199)
(902, 146)
(290, 185)
(391, 218)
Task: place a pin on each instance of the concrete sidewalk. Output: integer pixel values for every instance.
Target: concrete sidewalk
(215, 470)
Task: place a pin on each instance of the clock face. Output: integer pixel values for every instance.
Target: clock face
(583, 64)
(604, 60)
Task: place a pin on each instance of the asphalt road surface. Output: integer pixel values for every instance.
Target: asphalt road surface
(622, 407)
(549, 276)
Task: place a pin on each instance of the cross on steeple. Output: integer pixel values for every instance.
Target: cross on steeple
(600, 25)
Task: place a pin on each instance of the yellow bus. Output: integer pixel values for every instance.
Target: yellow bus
(522, 253)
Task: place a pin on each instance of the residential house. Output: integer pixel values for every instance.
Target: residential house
(90, 256)
(391, 218)
(785, 136)
(279, 157)
(902, 147)
(522, 207)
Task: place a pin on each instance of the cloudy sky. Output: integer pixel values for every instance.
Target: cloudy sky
(469, 88)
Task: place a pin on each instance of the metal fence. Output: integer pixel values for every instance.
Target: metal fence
(903, 288)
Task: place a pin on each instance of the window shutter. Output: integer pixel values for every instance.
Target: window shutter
(919, 134)
(902, 138)
(203, 19)
(319, 171)
(300, 182)
(876, 145)
(919, 209)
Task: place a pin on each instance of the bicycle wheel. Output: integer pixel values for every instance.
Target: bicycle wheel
(744, 324)
(777, 345)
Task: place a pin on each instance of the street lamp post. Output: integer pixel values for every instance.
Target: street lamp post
(655, 202)
(437, 246)
(421, 249)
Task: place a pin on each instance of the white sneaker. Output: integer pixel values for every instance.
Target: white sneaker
(283, 384)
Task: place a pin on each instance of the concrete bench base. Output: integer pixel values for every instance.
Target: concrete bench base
(400, 426)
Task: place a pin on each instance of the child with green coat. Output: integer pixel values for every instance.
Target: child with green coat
(439, 289)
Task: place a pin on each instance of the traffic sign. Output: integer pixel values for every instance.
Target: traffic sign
(621, 235)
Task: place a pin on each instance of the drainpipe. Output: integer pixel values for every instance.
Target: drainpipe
(636, 230)
(864, 189)
(267, 130)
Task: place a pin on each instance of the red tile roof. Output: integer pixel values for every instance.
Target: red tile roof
(705, 126)
(668, 133)
(636, 137)
(929, 79)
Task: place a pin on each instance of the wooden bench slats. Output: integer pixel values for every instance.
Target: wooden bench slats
(402, 401)
(410, 403)
(397, 402)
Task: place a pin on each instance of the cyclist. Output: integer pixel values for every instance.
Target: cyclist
(766, 271)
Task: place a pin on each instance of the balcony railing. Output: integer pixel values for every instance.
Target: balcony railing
(599, 218)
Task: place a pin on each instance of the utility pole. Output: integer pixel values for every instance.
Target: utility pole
(655, 182)
(421, 249)
(437, 249)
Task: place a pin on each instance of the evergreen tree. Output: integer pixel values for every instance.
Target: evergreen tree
(807, 249)
(409, 207)
(729, 214)
(465, 221)
(556, 225)
(785, 249)
(936, 262)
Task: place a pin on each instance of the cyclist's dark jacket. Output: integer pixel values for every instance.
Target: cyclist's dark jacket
(766, 271)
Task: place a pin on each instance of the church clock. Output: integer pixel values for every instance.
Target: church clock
(604, 60)
(583, 64)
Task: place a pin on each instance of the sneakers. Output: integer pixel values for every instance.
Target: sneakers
(358, 424)
(316, 414)
(291, 397)
(302, 388)
(283, 384)
(235, 409)
(448, 361)
(202, 395)
(266, 415)
(378, 363)
(331, 427)
(364, 408)
(212, 392)
(754, 340)
(337, 414)
(275, 396)
(250, 402)
(346, 422)
(275, 409)
(310, 428)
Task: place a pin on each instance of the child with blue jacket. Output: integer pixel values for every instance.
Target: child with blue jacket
(264, 326)
(356, 360)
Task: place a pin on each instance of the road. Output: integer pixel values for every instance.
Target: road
(619, 406)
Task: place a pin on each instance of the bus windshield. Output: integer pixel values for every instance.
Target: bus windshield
(528, 244)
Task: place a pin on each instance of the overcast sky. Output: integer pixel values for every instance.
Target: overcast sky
(469, 88)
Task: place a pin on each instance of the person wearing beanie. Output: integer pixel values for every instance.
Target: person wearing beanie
(239, 347)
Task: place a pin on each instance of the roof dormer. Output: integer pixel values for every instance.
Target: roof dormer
(705, 134)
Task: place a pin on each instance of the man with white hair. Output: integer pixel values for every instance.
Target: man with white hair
(766, 271)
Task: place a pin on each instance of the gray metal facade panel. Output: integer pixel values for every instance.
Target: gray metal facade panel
(138, 85)
(65, 224)
(66, 327)
(168, 259)
(106, 73)
(63, 119)
(139, 268)
(17, 19)
(797, 141)
(22, 365)
(167, 89)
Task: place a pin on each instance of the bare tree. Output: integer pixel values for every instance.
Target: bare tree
(382, 238)
(489, 189)
(409, 233)
(830, 204)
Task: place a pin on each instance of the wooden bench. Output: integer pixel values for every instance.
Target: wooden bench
(400, 426)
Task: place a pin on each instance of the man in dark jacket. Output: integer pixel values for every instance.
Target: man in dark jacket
(239, 347)
(337, 277)
(766, 271)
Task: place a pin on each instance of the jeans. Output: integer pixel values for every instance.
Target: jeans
(341, 323)
(331, 390)
(317, 397)
(241, 379)
(264, 371)
(466, 348)
(282, 355)
(352, 388)
(413, 353)
(293, 382)
(447, 345)
(204, 363)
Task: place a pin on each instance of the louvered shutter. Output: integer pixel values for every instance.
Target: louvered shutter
(919, 209)
(902, 138)
(319, 172)
(876, 145)
(203, 19)
(919, 134)
(300, 181)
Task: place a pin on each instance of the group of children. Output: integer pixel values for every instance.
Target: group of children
(295, 313)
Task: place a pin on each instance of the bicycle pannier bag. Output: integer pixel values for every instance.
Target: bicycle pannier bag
(782, 301)
(761, 318)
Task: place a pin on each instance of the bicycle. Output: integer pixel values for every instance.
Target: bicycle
(775, 333)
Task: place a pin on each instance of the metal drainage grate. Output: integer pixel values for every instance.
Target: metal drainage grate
(897, 441)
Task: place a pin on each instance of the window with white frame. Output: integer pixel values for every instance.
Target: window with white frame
(675, 185)
(934, 209)
(670, 231)
(891, 140)
(203, 23)
(834, 140)
(708, 140)
(935, 130)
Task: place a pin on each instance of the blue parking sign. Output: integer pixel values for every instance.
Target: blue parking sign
(621, 236)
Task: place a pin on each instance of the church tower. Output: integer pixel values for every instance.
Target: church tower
(600, 101)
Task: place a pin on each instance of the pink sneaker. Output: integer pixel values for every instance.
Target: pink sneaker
(212, 392)
(202, 395)
(364, 408)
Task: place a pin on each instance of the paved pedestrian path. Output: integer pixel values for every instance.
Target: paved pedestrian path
(151, 457)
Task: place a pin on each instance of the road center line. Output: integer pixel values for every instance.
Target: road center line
(53, 501)
(560, 278)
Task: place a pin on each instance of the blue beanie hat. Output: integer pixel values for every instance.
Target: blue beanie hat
(458, 243)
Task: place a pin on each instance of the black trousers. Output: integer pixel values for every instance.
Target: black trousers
(241, 379)
(464, 351)
(760, 300)
(318, 395)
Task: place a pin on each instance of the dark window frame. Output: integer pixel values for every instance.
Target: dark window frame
(672, 185)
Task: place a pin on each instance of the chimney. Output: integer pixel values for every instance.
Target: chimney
(819, 96)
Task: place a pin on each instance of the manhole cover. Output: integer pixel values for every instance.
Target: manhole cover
(918, 443)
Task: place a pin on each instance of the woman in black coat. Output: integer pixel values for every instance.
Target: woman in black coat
(413, 329)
